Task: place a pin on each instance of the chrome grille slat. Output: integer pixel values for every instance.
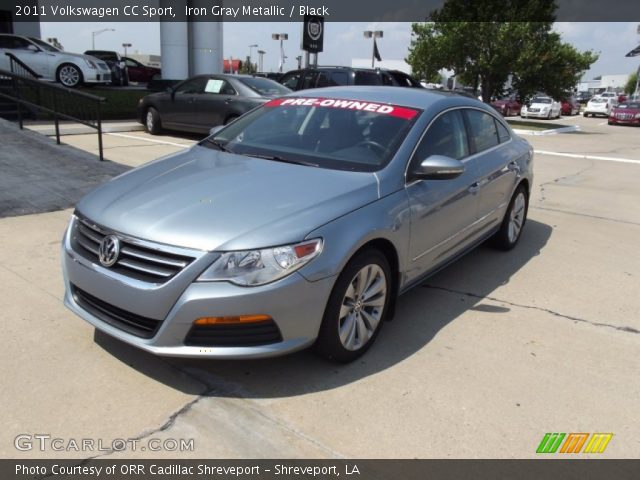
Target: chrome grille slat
(91, 235)
(139, 259)
(86, 245)
(144, 269)
(153, 258)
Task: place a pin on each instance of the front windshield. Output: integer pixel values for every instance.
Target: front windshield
(328, 133)
(264, 86)
(43, 45)
(541, 100)
(629, 105)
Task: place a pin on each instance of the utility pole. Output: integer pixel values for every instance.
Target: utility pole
(281, 37)
(373, 34)
(260, 55)
(98, 32)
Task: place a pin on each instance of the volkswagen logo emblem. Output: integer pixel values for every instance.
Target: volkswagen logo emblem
(109, 250)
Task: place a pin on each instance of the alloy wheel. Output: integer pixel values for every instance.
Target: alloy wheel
(362, 307)
(150, 121)
(69, 76)
(516, 217)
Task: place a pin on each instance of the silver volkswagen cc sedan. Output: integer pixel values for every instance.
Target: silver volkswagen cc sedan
(297, 224)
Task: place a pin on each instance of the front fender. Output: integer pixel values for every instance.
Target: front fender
(387, 218)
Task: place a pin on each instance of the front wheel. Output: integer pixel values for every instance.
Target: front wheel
(152, 122)
(356, 308)
(511, 228)
(69, 75)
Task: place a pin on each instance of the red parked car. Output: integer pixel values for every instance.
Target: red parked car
(627, 113)
(139, 72)
(507, 106)
(570, 106)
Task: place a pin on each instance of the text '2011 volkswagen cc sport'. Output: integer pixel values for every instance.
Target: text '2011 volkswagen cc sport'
(298, 224)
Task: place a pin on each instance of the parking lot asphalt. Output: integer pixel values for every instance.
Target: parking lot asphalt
(480, 361)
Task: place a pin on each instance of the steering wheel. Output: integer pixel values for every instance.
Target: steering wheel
(371, 145)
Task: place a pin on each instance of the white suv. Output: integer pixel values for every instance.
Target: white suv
(70, 69)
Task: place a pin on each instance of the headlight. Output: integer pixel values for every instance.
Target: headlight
(91, 63)
(637, 115)
(251, 268)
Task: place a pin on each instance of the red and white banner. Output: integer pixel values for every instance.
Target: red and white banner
(382, 108)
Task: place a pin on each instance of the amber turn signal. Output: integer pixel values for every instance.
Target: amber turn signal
(232, 319)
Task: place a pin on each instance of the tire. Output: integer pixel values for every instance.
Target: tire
(69, 75)
(511, 229)
(372, 269)
(152, 121)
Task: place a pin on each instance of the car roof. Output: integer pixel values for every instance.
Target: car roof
(410, 97)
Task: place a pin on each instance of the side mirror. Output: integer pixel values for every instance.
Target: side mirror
(438, 167)
(216, 129)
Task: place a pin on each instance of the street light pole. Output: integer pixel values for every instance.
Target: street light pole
(281, 37)
(260, 55)
(251, 47)
(98, 32)
(373, 34)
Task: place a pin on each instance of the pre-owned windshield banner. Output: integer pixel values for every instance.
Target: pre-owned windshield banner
(345, 104)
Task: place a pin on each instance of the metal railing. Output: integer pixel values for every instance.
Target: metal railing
(21, 85)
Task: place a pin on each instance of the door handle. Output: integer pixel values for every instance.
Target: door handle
(474, 187)
(228, 100)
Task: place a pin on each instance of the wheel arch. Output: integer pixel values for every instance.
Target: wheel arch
(67, 62)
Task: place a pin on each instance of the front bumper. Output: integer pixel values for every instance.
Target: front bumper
(624, 121)
(530, 114)
(97, 76)
(295, 304)
(597, 111)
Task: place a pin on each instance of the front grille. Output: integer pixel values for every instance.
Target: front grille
(624, 116)
(135, 261)
(534, 109)
(129, 322)
(234, 335)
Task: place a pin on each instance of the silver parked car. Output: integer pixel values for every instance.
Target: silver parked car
(52, 64)
(297, 224)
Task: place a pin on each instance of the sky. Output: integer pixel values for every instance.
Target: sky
(342, 41)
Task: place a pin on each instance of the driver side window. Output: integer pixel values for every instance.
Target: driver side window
(191, 86)
(446, 136)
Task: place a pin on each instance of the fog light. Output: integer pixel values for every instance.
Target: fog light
(232, 319)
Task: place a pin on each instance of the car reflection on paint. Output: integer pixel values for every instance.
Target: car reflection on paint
(298, 224)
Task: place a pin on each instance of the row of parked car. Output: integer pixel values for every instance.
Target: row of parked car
(72, 69)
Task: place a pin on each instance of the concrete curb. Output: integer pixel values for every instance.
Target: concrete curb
(551, 131)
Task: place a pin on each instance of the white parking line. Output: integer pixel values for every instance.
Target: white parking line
(161, 142)
(588, 157)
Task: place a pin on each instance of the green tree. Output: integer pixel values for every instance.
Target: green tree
(630, 86)
(484, 43)
(247, 67)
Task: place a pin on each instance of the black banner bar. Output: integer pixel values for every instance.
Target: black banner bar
(542, 469)
(290, 10)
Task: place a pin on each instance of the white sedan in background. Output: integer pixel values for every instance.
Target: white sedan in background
(541, 107)
(70, 69)
(599, 105)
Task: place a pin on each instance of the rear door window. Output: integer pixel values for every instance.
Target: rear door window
(339, 78)
(291, 80)
(367, 78)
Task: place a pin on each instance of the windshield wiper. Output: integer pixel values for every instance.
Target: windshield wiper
(217, 144)
(276, 158)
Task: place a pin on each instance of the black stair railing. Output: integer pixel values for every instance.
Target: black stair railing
(23, 87)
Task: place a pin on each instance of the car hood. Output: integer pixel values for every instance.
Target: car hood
(632, 111)
(82, 56)
(539, 105)
(211, 200)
